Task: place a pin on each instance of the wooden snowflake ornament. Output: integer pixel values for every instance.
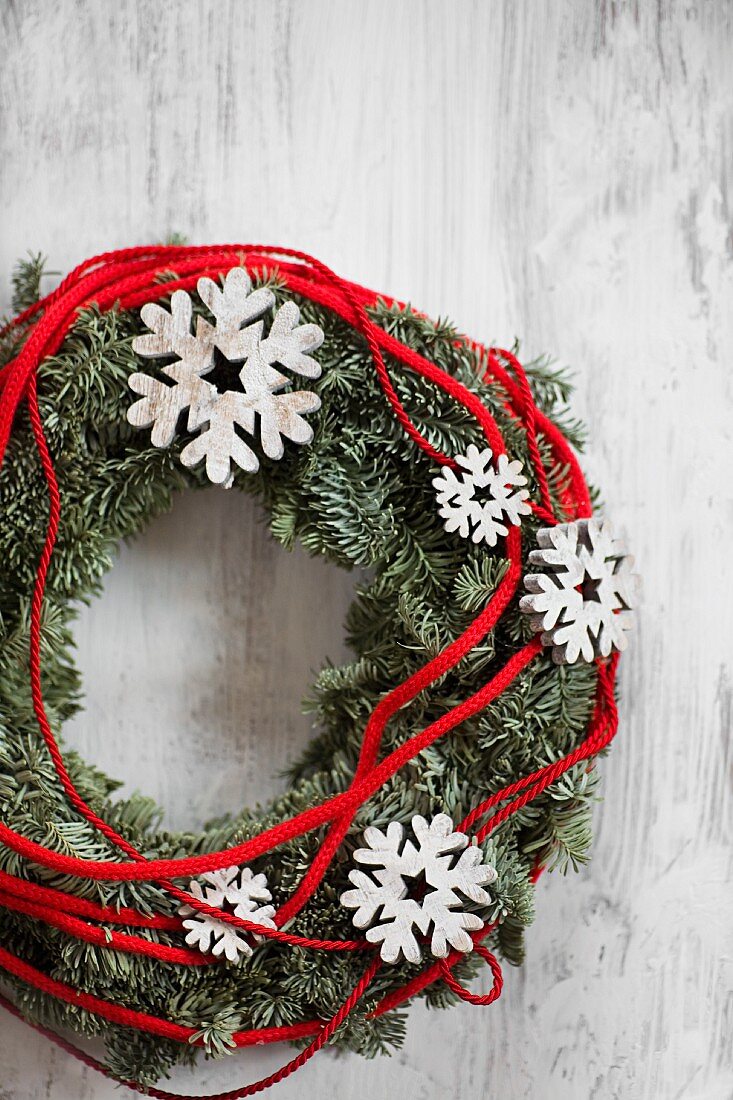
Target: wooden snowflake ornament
(583, 598)
(390, 901)
(233, 889)
(486, 497)
(222, 417)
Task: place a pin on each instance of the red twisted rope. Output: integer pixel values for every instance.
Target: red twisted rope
(128, 279)
(474, 998)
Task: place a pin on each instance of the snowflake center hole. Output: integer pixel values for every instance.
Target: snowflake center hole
(225, 373)
(589, 589)
(485, 494)
(417, 886)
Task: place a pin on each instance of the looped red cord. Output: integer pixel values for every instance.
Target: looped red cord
(465, 994)
(127, 279)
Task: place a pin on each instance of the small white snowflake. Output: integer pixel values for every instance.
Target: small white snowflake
(438, 880)
(233, 889)
(222, 418)
(481, 502)
(582, 599)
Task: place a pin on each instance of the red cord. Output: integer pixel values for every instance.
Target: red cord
(324, 1032)
(358, 793)
(129, 278)
(465, 994)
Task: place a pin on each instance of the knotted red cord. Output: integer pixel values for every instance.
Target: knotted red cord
(127, 279)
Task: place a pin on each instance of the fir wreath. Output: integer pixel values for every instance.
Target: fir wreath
(488, 730)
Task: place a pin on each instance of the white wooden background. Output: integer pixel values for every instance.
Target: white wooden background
(557, 169)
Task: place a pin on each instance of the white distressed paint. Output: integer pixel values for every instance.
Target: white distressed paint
(384, 898)
(236, 334)
(561, 170)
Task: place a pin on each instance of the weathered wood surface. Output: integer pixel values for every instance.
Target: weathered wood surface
(561, 170)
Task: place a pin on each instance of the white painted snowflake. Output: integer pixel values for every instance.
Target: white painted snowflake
(437, 878)
(222, 418)
(481, 502)
(233, 889)
(583, 598)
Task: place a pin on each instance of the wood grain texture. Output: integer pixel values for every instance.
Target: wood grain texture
(560, 170)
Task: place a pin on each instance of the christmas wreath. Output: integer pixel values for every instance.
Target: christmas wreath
(454, 758)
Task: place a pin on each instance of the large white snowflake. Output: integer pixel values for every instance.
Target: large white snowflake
(486, 497)
(222, 418)
(233, 889)
(421, 887)
(582, 599)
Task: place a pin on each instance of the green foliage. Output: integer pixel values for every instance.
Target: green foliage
(26, 281)
(361, 496)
